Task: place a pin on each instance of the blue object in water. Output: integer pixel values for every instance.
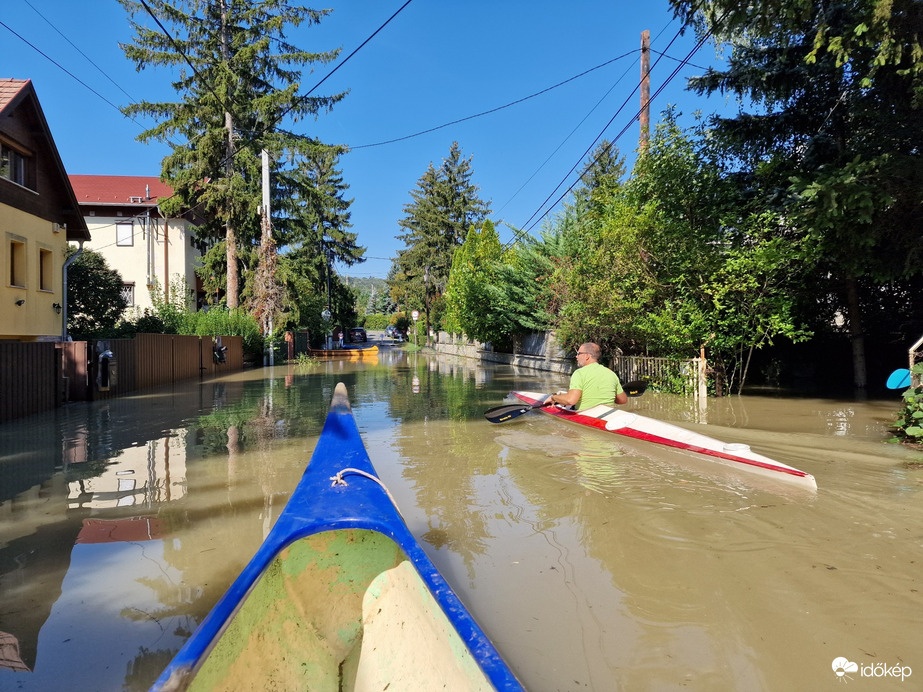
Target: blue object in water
(899, 379)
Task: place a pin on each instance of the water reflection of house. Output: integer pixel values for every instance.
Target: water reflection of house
(153, 472)
(115, 530)
(9, 653)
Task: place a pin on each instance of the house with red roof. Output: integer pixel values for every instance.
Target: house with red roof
(154, 254)
(38, 216)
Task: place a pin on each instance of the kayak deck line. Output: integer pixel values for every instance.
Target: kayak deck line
(640, 427)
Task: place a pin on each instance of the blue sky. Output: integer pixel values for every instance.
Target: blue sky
(436, 62)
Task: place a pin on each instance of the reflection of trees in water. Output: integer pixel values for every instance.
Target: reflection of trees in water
(146, 667)
(442, 414)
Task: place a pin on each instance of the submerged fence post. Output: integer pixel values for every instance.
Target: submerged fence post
(915, 380)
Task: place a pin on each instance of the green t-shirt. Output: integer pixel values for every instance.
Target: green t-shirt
(597, 384)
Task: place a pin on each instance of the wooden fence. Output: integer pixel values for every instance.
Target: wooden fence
(29, 376)
(38, 376)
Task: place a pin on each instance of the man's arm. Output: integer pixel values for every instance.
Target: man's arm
(569, 398)
(621, 398)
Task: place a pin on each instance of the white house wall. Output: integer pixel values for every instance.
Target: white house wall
(160, 251)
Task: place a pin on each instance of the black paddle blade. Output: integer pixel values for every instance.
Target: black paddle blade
(501, 414)
(635, 388)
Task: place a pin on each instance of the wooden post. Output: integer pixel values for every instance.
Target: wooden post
(702, 389)
(644, 117)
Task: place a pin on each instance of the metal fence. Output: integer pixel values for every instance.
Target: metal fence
(669, 374)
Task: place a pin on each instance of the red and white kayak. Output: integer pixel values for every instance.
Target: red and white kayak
(640, 427)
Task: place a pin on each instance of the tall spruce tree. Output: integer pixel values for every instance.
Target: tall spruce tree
(602, 172)
(238, 78)
(446, 203)
(314, 218)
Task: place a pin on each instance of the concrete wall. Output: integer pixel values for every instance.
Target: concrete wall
(538, 351)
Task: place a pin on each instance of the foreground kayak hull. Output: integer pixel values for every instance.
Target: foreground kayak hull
(340, 596)
(628, 424)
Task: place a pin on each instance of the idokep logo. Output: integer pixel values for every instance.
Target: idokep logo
(842, 666)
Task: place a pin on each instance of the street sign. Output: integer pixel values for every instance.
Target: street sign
(415, 314)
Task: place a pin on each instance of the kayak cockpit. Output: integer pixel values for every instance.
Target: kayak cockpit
(338, 610)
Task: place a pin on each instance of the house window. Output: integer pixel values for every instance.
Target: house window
(14, 165)
(45, 270)
(17, 263)
(128, 292)
(124, 235)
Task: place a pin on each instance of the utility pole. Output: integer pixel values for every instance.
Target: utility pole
(644, 117)
(267, 247)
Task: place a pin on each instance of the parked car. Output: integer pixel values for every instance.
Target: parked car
(391, 331)
(358, 335)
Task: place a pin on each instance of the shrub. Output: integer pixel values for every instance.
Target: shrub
(377, 321)
(909, 424)
(223, 322)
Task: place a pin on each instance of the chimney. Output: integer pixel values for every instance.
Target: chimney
(147, 191)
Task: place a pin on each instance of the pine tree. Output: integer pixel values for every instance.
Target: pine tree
(237, 79)
(445, 205)
(603, 171)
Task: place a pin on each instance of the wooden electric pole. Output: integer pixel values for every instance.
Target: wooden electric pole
(644, 117)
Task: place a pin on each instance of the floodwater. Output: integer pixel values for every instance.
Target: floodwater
(594, 562)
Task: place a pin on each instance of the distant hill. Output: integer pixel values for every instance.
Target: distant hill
(365, 284)
(363, 287)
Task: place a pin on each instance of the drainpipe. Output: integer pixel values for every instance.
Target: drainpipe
(68, 263)
(166, 259)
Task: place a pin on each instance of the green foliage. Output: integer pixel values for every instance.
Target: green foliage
(603, 172)
(94, 296)
(174, 312)
(834, 144)
(446, 204)
(872, 37)
(306, 360)
(909, 423)
(402, 321)
(377, 321)
(643, 269)
(174, 316)
(224, 322)
(242, 82)
(472, 294)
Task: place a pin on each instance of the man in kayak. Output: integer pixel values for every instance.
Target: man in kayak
(591, 384)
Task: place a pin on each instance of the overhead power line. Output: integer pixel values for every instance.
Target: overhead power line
(75, 47)
(493, 110)
(59, 65)
(526, 227)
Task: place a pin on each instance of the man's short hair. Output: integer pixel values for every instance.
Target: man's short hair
(592, 350)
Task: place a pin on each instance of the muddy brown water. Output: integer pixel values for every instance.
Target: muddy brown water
(593, 562)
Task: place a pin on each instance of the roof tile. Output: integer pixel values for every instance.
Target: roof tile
(119, 189)
(8, 90)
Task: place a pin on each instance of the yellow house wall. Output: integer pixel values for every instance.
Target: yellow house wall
(152, 256)
(36, 319)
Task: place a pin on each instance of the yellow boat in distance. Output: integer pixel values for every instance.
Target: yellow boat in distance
(365, 352)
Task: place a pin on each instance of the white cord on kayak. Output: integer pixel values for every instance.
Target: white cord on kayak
(338, 480)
